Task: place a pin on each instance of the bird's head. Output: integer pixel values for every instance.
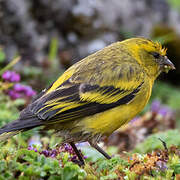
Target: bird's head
(151, 55)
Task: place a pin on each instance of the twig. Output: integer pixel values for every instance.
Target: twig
(164, 144)
(10, 65)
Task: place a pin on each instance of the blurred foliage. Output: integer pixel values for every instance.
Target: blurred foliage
(31, 72)
(23, 164)
(174, 4)
(171, 137)
(10, 65)
(2, 56)
(9, 104)
(167, 94)
(53, 49)
(9, 111)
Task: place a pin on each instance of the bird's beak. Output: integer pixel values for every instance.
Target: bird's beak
(167, 65)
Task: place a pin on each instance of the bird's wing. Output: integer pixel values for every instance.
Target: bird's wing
(84, 94)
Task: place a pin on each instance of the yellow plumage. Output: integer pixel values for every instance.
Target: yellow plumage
(100, 93)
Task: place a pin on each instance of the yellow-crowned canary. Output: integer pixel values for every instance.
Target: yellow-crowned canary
(97, 95)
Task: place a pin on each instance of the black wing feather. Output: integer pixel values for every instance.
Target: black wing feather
(72, 94)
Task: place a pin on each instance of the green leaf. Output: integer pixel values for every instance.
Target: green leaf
(24, 178)
(2, 56)
(54, 177)
(2, 165)
(108, 165)
(53, 49)
(176, 168)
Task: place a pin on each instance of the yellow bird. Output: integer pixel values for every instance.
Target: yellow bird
(97, 95)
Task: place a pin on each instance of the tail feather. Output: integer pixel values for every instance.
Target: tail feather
(18, 126)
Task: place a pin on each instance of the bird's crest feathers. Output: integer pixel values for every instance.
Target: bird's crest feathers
(162, 49)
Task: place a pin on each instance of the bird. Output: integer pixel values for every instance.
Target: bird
(96, 95)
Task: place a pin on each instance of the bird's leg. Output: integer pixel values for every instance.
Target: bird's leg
(100, 150)
(81, 161)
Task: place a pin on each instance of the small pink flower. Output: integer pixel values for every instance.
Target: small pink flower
(11, 76)
(14, 95)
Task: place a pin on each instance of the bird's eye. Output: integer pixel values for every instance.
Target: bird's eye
(156, 55)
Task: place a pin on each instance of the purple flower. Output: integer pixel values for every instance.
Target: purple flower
(54, 151)
(74, 158)
(161, 165)
(85, 157)
(26, 90)
(164, 110)
(29, 91)
(15, 77)
(32, 148)
(6, 75)
(67, 147)
(53, 155)
(45, 152)
(13, 94)
(19, 90)
(155, 106)
(19, 87)
(11, 76)
(160, 109)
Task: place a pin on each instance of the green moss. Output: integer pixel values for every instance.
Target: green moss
(171, 137)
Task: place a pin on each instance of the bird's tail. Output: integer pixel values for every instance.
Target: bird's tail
(18, 126)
